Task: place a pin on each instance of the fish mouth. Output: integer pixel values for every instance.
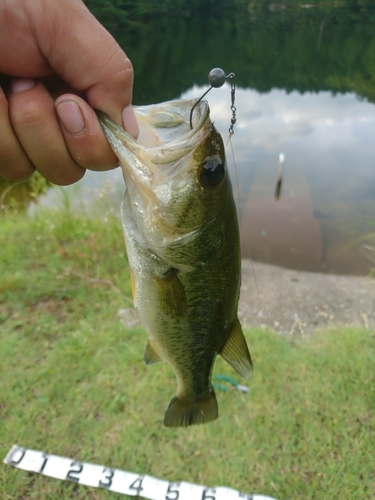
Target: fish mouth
(165, 136)
(163, 150)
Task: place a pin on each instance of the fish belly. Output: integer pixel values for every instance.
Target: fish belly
(163, 307)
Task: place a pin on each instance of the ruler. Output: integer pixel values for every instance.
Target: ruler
(116, 480)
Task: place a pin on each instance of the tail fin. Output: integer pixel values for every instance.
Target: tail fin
(182, 412)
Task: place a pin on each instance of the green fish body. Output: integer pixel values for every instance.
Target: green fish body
(182, 240)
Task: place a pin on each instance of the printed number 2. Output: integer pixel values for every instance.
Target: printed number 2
(75, 470)
(106, 480)
(137, 485)
(172, 493)
(206, 495)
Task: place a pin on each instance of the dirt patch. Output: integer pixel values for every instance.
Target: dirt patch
(296, 302)
(299, 302)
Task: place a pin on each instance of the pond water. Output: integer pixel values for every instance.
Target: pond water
(305, 88)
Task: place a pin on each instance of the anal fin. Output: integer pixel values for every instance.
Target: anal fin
(150, 355)
(236, 352)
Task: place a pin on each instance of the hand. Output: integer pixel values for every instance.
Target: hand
(57, 63)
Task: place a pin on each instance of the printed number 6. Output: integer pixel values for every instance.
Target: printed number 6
(206, 496)
(173, 492)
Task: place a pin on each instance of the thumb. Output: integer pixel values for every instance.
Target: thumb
(82, 52)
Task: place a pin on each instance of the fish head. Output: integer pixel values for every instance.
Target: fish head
(176, 176)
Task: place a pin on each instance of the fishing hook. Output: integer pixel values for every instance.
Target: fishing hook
(216, 79)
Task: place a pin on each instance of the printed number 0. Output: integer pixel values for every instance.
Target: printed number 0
(107, 476)
(172, 492)
(206, 496)
(15, 461)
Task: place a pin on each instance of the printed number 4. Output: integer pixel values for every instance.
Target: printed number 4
(172, 492)
(137, 485)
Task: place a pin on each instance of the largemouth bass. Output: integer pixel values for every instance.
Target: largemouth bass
(182, 240)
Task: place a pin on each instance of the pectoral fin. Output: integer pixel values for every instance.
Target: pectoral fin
(171, 294)
(236, 352)
(151, 356)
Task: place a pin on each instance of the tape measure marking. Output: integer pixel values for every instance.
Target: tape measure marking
(116, 480)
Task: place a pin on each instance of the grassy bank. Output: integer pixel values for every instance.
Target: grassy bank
(73, 383)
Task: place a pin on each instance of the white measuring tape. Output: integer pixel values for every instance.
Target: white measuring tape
(119, 481)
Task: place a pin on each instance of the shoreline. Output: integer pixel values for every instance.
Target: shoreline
(300, 302)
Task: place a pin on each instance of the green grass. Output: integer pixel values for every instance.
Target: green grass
(73, 383)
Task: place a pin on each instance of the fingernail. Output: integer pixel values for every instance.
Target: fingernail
(129, 121)
(71, 117)
(21, 84)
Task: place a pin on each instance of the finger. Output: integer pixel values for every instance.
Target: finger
(14, 163)
(34, 121)
(83, 134)
(84, 54)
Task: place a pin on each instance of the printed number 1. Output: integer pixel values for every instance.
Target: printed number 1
(172, 494)
(45, 458)
(206, 496)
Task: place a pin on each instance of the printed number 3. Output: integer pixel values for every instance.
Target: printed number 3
(171, 491)
(107, 476)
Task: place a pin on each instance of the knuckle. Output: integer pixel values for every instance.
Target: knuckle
(27, 115)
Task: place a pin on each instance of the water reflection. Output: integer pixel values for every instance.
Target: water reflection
(327, 199)
(328, 193)
(96, 193)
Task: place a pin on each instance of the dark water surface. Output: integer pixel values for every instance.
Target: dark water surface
(306, 88)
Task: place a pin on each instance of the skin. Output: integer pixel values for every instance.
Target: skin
(57, 63)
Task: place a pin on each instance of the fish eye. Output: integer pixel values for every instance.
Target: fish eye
(212, 173)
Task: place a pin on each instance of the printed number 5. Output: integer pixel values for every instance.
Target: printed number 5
(172, 493)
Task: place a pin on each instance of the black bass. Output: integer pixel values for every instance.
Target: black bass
(182, 240)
